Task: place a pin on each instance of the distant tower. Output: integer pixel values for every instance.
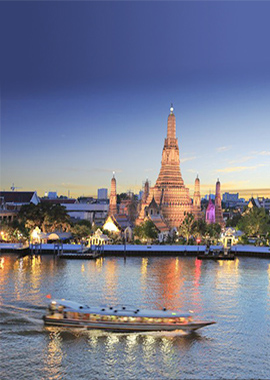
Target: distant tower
(218, 208)
(113, 198)
(145, 191)
(197, 200)
(210, 212)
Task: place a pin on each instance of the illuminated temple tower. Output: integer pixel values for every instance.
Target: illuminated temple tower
(218, 207)
(169, 192)
(113, 198)
(197, 200)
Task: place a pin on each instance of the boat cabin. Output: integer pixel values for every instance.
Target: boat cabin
(122, 314)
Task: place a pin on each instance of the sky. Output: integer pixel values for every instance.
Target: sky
(86, 88)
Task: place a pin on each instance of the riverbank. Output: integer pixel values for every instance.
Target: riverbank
(137, 250)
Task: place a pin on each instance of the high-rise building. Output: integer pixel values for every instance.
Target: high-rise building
(102, 194)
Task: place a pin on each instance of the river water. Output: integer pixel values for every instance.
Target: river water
(235, 294)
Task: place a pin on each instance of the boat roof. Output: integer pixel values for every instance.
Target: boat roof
(127, 311)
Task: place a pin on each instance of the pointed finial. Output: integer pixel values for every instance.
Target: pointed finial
(113, 174)
(171, 109)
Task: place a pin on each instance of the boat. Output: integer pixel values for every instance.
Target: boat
(79, 255)
(217, 254)
(87, 253)
(120, 318)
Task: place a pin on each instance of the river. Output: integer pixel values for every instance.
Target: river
(234, 293)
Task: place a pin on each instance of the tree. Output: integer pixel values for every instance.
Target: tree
(213, 231)
(254, 222)
(187, 228)
(56, 218)
(146, 231)
(48, 217)
(234, 220)
(200, 229)
(80, 231)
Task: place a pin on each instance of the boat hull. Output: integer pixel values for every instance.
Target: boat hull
(215, 257)
(115, 326)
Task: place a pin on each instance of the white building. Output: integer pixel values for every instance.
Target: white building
(93, 212)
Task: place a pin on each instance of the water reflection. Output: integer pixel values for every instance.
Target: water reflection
(235, 293)
(144, 267)
(54, 356)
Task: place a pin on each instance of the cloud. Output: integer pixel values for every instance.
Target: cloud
(235, 184)
(261, 153)
(241, 160)
(238, 168)
(185, 159)
(222, 149)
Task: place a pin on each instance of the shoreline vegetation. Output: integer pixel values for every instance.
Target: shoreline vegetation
(252, 228)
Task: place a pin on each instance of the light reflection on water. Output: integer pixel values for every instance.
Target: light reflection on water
(234, 293)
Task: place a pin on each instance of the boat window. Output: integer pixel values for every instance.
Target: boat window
(105, 317)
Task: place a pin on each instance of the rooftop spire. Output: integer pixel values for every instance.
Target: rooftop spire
(171, 133)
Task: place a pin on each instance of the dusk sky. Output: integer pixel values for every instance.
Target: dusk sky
(86, 89)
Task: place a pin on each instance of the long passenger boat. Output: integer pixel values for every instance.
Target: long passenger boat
(122, 318)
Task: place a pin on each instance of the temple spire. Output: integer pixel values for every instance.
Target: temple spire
(197, 199)
(171, 125)
(218, 206)
(113, 197)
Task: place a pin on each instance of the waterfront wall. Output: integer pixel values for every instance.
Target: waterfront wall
(143, 250)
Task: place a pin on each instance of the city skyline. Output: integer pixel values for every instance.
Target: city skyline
(86, 90)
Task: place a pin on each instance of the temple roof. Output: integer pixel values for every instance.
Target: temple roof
(17, 196)
(153, 204)
(159, 223)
